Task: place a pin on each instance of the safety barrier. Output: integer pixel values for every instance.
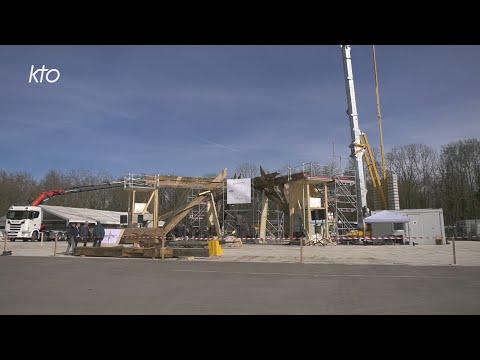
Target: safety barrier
(284, 240)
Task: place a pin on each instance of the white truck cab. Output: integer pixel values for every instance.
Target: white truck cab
(23, 222)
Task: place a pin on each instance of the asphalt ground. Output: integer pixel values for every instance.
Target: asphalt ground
(67, 285)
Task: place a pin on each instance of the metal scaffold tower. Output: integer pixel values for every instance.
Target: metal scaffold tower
(198, 217)
(341, 193)
(345, 204)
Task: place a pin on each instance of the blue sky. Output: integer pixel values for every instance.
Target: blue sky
(193, 110)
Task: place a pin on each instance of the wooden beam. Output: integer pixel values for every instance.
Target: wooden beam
(140, 232)
(178, 205)
(215, 217)
(155, 209)
(186, 182)
(199, 199)
(184, 212)
(164, 216)
(291, 209)
(325, 190)
(309, 212)
(132, 209)
(148, 203)
(263, 219)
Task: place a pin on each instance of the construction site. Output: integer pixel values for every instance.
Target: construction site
(297, 206)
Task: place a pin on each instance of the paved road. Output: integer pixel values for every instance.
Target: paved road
(467, 253)
(63, 285)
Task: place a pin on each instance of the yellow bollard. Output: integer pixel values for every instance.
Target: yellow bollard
(219, 249)
(210, 247)
(214, 248)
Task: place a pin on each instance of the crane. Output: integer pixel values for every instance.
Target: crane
(360, 145)
(26, 222)
(379, 116)
(362, 209)
(44, 196)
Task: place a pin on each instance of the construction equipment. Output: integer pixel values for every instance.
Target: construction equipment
(362, 209)
(378, 185)
(44, 196)
(379, 116)
(360, 147)
(25, 222)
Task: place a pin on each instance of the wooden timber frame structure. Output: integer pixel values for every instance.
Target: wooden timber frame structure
(303, 197)
(151, 184)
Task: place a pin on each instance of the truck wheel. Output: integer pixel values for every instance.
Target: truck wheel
(34, 237)
(12, 239)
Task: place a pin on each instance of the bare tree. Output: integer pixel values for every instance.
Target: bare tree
(247, 170)
(459, 180)
(18, 188)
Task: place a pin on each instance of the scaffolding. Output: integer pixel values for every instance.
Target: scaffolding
(198, 218)
(243, 220)
(341, 193)
(345, 205)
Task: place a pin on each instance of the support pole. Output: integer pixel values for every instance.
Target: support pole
(55, 247)
(454, 254)
(163, 247)
(327, 232)
(263, 219)
(215, 217)
(132, 209)
(155, 209)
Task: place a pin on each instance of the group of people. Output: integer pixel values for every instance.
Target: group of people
(75, 234)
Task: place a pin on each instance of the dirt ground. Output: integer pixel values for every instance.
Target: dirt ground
(467, 253)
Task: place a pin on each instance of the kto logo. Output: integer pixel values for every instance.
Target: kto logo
(51, 78)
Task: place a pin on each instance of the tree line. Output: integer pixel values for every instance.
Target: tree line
(427, 178)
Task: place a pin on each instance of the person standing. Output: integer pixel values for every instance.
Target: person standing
(98, 234)
(84, 233)
(77, 234)
(72, 233)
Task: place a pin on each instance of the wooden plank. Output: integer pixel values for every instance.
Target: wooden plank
(111, 251)
(188, 243)
(144, 231)
(136, 235)
(197, 252)
(150, 252)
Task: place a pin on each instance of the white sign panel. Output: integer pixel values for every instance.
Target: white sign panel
(112, 237)
(315, 202)
(139, 207)
(239, 191)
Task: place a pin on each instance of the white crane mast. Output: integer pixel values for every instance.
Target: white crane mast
(362, 208)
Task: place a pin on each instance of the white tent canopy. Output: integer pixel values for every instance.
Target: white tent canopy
(80, 215)
(387, 217)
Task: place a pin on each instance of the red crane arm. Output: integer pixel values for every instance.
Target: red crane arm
(47, 195)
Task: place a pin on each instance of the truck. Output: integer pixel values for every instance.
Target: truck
(26, 222)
